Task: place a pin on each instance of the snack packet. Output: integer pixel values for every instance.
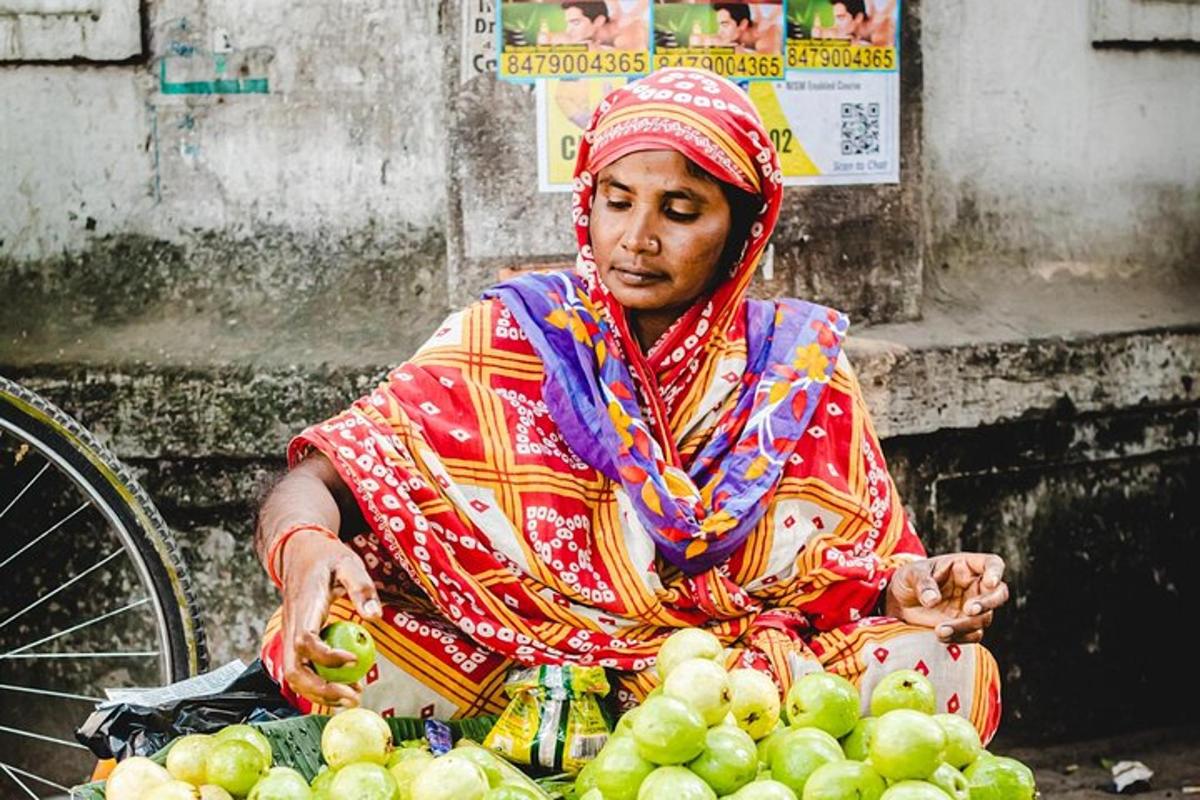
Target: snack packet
(554, 717)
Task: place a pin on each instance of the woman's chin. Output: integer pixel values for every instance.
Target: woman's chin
(638, 298)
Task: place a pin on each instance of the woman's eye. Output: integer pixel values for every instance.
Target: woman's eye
(680, 216)
(617, 205)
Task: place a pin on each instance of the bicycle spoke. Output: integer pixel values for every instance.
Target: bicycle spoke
(48, 595)
(24, 490)
(37, 778)
(49, 693)
(18, 781)
(44, 534)
(74, 628)
(32, 735)
(126, 654)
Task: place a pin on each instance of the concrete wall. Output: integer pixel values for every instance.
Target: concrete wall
(1047, 154)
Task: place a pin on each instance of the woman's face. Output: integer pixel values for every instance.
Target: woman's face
(657, 231)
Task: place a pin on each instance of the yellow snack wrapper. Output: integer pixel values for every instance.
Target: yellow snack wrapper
(554, 718)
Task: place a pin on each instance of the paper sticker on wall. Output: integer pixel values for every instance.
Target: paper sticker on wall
(834, 128)
(743, 40)
(564, 108)
(589, 38)
(860, 35)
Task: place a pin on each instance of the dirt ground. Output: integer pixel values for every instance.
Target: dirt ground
(1074, 771)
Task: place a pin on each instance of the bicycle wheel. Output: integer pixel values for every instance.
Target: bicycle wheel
(93, 592)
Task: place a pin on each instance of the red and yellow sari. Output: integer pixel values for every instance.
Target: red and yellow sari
(539, 490)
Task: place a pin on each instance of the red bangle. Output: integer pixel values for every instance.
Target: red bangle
(276, 551)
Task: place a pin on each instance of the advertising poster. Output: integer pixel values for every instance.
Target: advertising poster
(833, 128)
(573, 38)
(564, 108)
(740, 40)
(478, 56)
(835, 119)
(854, 34)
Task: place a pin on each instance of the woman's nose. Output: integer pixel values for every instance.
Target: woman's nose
(640, 236)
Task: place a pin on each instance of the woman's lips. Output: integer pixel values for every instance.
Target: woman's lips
(637, 277)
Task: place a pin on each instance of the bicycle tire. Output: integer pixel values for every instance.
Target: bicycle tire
(143, 533)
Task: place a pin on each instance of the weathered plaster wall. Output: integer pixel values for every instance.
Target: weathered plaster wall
(126, 202)
(1047, 154)
(347, 135)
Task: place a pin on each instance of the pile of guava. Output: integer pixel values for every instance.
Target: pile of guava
(706, 732)
(361, 763)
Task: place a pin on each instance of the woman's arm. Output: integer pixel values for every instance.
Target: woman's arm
(313, 568)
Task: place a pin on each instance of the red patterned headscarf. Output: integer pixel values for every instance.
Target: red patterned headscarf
(712, 123)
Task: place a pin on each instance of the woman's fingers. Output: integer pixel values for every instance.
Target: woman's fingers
(300, 676)
(310, 647)
(993, 571)
(959, 629)
(351, 573)
(311, 685)
(988, 601)
(918, 581)
(306, 607)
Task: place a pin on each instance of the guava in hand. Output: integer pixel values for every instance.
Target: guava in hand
(354, 639)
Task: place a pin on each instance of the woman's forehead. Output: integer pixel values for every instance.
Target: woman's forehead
(654, 169)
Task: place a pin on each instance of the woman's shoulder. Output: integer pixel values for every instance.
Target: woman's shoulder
(455, 330)
(799, 305)
(806, 316)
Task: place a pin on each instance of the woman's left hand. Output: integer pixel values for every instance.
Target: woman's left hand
(956, 594)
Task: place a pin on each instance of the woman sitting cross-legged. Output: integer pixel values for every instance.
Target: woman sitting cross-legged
(583, 462)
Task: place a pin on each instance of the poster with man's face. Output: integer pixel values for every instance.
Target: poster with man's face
(843, 34)
(573, 38)
(741, 40)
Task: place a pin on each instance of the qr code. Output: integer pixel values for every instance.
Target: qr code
(860, 129)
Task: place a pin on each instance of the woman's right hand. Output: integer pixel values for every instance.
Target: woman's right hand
(314, 570)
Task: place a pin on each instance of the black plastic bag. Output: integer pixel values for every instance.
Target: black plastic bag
(128, 729)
